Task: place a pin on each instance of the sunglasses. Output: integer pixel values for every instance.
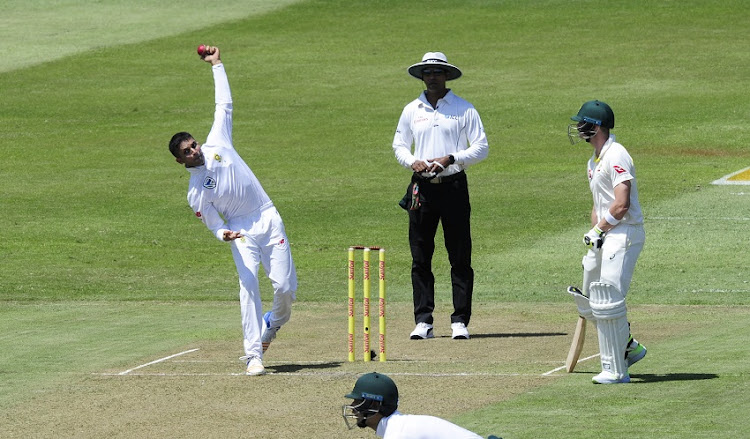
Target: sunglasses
(433, 72)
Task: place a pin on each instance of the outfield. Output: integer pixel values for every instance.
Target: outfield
(118, 312)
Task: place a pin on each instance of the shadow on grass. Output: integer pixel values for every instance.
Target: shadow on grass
(656, 378)
(290, 368)
(519, 334)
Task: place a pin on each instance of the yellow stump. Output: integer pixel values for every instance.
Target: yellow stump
(351, 304)
(381, 302)
(366, 303)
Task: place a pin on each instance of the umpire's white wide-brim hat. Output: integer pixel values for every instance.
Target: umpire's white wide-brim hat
(435, 59)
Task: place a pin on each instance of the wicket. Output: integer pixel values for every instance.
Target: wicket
(366, 301)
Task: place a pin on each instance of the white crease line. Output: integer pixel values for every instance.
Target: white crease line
(157, 361)
(418, 374)
(557, 369)
(268, 372)
(687, 218)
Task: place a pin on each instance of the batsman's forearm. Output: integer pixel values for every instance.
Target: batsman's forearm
(616, 212)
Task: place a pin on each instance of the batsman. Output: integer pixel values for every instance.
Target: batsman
(614, 242)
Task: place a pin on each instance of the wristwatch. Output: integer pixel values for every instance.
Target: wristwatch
(451, 159)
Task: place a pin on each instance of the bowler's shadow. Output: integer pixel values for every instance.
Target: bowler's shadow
(656, 378)
(291, 368)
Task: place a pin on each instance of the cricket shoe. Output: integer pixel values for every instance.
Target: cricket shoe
(422, 331)
(254, 365)
(269, 332)
(459, 331)
(634, 354)
(607, 377)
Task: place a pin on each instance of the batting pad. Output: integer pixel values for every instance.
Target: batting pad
(608, 308)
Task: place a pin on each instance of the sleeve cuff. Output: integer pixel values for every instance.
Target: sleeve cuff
(220, 234)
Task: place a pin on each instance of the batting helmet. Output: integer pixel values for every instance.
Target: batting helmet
(596, 112)
(376, 387)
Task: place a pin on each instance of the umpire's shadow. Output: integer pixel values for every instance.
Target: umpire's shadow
(656, 378)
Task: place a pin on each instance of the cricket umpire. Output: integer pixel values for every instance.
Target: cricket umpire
(447, 136)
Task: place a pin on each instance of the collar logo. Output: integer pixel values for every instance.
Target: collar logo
(217, 157)
(209, 183)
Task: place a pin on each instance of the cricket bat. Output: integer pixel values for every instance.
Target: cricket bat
(577, 345)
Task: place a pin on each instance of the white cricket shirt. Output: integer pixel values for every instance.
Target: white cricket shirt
(224, 187)
(613, 167)
(401, 426)
(454, 127)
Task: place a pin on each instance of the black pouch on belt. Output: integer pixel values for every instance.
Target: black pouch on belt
(411, 198)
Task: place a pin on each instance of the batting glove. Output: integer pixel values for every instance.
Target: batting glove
(594, 238)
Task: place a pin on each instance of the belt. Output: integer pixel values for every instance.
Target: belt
(438, 180)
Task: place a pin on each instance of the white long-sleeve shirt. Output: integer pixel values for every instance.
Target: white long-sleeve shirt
(224, 187)
(613, 167)
(401, 426)
(454, 127)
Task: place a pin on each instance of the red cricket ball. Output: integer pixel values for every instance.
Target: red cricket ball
(201, 50)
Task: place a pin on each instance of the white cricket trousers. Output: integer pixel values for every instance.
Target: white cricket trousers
(264, 241)
(614, 263)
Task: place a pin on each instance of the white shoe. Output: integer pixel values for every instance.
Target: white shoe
(254, 365)
(607, 377)
(268, 333)
(422, 331)
(459, 331)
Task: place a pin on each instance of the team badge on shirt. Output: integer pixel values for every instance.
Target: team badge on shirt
(619, 170)
(209, 183)
(217, 157)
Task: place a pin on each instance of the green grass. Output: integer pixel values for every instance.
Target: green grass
(43, 30)
(96, 234)
(689, 389)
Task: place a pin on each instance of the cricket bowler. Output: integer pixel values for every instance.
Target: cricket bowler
(227, 197)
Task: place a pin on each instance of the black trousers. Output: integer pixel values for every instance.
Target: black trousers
(446, 203)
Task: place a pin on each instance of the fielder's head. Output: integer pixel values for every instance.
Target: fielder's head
(434, 63)
(375, 396)
(591, 118)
